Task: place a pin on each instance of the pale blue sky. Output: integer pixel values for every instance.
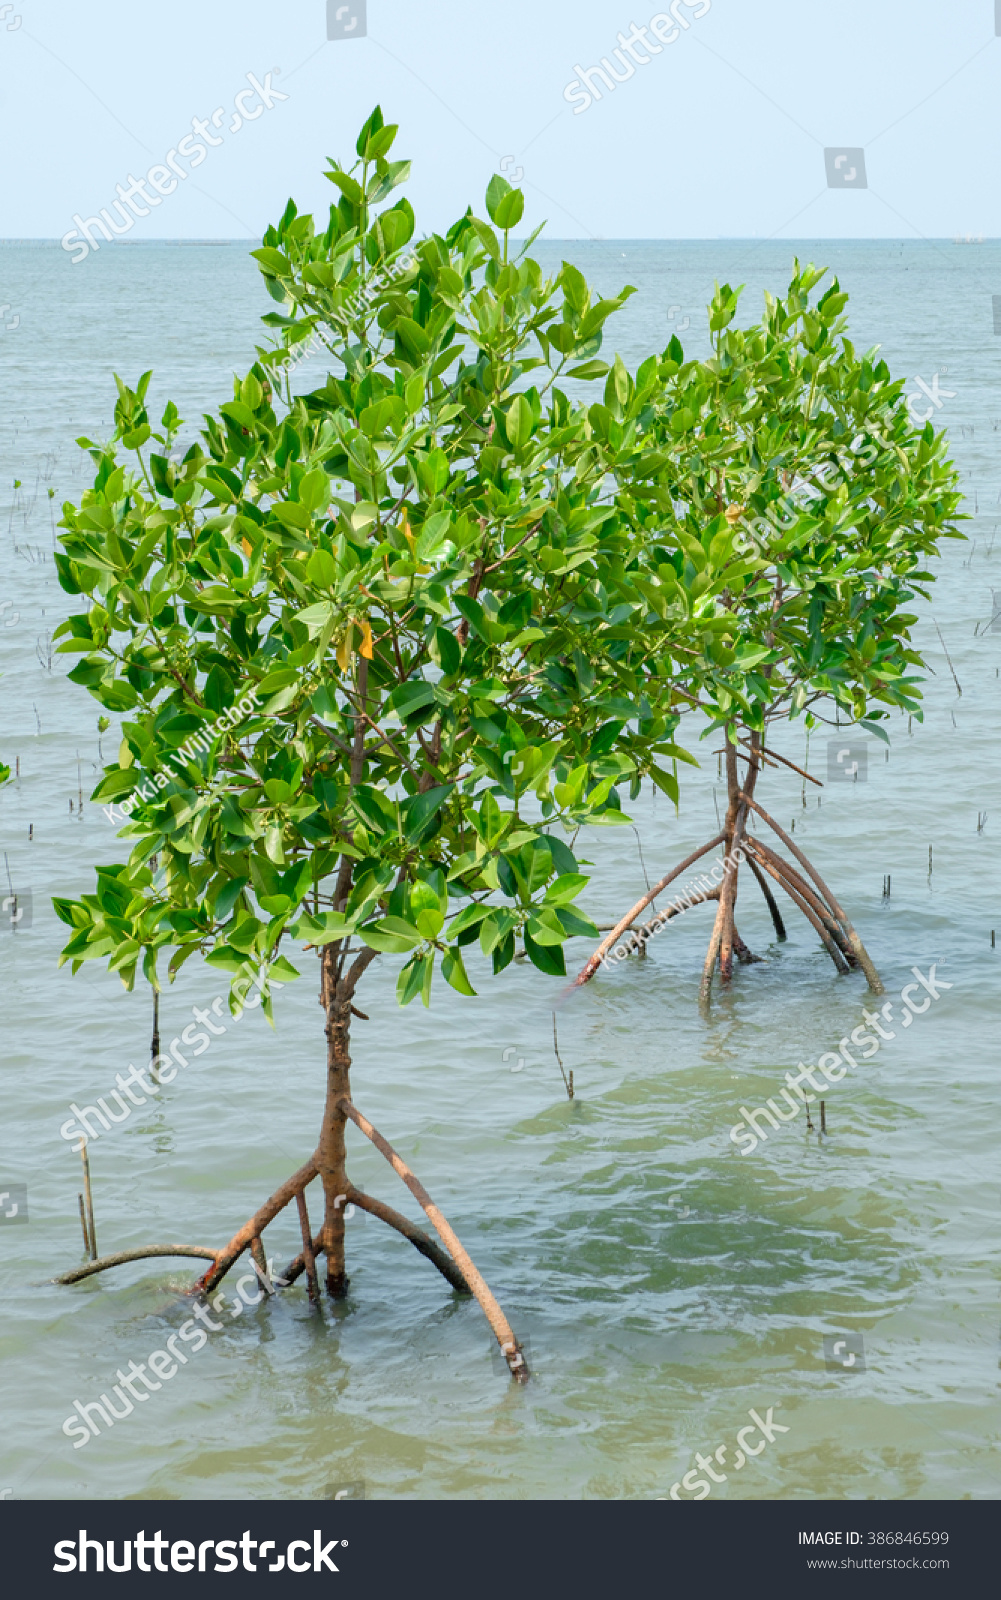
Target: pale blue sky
(720, 133)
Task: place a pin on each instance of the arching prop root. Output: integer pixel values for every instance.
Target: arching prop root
(417, 1237)
(454, 1262)
(806, 889)
(510, 1348)
(147, 1253)
(589, 969)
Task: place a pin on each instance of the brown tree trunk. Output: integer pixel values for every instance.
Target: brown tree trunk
(330, 1152)
(729, 890)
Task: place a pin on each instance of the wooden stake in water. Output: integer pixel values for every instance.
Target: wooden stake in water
(83, 1224)
(948, 658)
(567, 1084)
(90, 1200)
(154, 1046)
(823, 1117)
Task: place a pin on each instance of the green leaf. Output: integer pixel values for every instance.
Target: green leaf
(566, 888)
(273, 261)
(497, 190)
(391, 934)
(326, 928)
(469, 917)
(589, 369)
(416, 979)
(575, 924)
(454, 971)
(227, 897)
(518, 421)
(419, 812)
(321, 570)
(548, 958)
(314, 490)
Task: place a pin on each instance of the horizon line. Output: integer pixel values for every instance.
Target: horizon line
(721, 238)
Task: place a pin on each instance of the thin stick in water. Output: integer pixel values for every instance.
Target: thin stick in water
(90, 1200)
(568, 1084)
(948, 658)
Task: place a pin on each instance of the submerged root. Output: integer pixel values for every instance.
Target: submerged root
(147, 1253)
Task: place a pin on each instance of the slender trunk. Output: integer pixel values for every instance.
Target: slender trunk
(706, 986)
(336, 990)
(729, 894)
(330, 1151)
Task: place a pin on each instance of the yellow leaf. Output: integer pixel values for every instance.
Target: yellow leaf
(365, 648)
(345, 649)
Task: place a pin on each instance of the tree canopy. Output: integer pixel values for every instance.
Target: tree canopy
(414, 573)
(789, 508)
